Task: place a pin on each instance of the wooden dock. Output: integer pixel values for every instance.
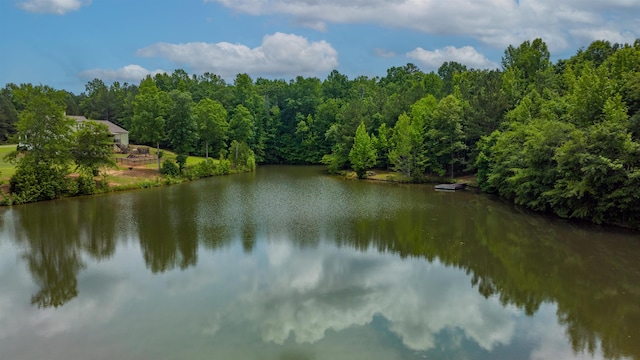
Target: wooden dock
(451, 187)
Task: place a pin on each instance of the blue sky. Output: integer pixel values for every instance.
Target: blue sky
(66, 43)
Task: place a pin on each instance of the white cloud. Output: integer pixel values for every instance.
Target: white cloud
(304, 294)
(466, 55)
(279, 54)
(384, 53)
(58, 7)
(604, 33)
(129, 73)
(549, 338)
(497, 23)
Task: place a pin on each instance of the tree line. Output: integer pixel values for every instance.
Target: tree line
(558, 137)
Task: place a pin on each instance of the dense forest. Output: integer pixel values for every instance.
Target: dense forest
(559, 137)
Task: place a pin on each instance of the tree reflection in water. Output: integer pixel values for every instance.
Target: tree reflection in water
(54, 250)
(525, 260)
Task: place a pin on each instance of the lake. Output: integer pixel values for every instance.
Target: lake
(291, 263)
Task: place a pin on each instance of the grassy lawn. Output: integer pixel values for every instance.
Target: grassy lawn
(147, 175)
(6, 169)
(191, 160)
(120, 177)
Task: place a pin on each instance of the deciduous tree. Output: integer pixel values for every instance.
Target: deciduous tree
(362, 155)
(44, 133)
(211, 118)
(444, 138)
(149, 111)
(181, 126)
(8, 116)
(92, 147)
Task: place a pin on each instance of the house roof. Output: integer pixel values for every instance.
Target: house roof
(113, 128)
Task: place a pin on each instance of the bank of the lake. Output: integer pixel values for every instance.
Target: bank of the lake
(123, 177)
(115, 180)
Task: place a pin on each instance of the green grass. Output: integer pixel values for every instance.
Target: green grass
(117, 180)
(191, 160)
(6, 169)
(166, 154)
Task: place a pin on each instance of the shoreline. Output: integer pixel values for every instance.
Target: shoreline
(127, 178)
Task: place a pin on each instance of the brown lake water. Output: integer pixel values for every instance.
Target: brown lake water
(290, 263)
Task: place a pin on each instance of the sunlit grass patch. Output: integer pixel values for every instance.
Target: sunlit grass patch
(6, 169)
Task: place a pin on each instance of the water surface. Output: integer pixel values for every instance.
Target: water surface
(289, 263)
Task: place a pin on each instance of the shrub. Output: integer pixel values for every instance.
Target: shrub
(5, 199)
(86, 184)
(224, 167)
(241, 156)
(333, 163)
(202, 169)
(181, 160)
(251, 163)
(169, 168)
(103, 184)
(37, 182)
(72, 187)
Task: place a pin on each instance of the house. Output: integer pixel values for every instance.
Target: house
(120, 135)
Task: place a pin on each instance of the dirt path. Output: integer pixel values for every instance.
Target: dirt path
(132, 174)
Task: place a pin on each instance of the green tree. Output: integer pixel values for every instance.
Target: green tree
(240, 127)
(597, 52)
(211, 118)
(530, 58)
(335, 86)
(444, 139)
(92, 147)
(149, 111)
(121, 112)
(362, 155)
(241, 124)
(244, 158)
(96, 104)
(307, 139)
(8, 115)
(72, 102)
(403, 86)
(181, 126)
(408, 140)
(302, 98)
(535, 173)
(44, 133)
(246, 94)
(383, 146)
(404, 154)
(599, 171)
(526, 66)
(485, 161)
(447, 71)
(43, 130)
(484, 110)
(587, 95)
(327, 114)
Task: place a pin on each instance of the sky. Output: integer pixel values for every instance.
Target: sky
(66, 43)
